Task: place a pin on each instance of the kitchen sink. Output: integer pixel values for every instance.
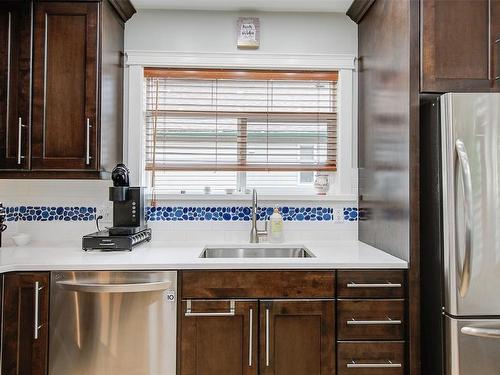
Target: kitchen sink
(257, 252)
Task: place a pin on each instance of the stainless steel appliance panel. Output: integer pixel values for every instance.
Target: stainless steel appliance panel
(470, 130)
(104, 323)
(473, 346)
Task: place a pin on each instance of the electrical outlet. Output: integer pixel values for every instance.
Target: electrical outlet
(106, 211)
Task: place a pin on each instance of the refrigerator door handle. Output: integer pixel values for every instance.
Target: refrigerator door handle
(492, 333)
(463, 160)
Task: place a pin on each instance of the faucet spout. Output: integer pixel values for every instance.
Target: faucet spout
(255, 233)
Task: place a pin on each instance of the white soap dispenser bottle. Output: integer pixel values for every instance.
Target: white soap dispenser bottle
(276, 226)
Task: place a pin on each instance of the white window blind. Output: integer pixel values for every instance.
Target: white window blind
(208, 121)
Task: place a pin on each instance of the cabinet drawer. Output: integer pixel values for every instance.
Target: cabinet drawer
(370, 358)
(370, 319)
(258, 284)
(370, 284)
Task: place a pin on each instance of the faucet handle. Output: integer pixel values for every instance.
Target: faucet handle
(264, 232)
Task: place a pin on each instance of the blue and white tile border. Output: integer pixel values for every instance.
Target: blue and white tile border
(50, 213)
(183, 213)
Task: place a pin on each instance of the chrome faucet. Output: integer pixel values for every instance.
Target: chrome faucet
(256, 233)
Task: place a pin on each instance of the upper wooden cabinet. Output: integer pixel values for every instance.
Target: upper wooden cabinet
(15, 65)
(495, 34)
(69, 123)
(65, 88)
(458, 45)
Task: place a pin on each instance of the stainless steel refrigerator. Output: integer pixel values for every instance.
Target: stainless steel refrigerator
(460, 232)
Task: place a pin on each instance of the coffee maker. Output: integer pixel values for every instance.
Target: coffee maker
(128, 204)
(129, 223)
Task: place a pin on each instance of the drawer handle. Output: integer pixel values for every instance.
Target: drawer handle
(231, 312)
(384, 285)
(388, 364)
(388, 321)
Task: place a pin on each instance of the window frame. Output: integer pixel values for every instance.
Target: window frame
(344, 181)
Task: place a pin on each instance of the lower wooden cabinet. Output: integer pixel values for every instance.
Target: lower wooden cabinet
(297, 337)
(219, 337)
(25, 323)
(290, 322)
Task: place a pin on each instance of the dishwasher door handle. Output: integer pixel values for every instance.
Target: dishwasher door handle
(114, 288)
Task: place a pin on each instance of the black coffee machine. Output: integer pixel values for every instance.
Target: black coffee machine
(128, 204)
(129, 224)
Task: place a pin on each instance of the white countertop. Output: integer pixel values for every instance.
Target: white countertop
(177, 256)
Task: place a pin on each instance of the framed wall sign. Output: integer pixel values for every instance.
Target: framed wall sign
(248, 29)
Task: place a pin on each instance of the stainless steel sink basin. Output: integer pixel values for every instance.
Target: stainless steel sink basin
(257, 252)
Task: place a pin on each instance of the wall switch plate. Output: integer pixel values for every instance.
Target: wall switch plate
(106, 211)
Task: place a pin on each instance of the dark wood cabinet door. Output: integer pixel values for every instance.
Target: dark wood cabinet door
(495, 38)
(297, 337)
(216, 340)
(25, 323)
(15, 73)
(455, 43)
(65, 89)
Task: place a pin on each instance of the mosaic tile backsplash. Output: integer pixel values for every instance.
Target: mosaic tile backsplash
(50, 213)
(170, 213)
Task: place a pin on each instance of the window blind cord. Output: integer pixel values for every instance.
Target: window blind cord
(267, 125)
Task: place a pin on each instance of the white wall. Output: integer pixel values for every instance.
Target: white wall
(206, 31)
(291, 37)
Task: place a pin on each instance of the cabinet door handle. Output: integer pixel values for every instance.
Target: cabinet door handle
(87, 155)
(388, 321)
(36, 324)
(490, 69)
(250, 338)
(9, 37)
(388, 364)
(267, 336)
(20, 127)
(497, 50)
(231, 312)
(374, 285)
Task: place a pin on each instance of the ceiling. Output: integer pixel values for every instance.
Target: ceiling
(247, 5)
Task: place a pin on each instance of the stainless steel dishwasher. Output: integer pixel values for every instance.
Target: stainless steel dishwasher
(107, 323)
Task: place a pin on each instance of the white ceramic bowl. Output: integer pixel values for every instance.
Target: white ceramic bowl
(21, 239)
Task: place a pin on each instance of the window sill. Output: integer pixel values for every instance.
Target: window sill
(248, 197)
